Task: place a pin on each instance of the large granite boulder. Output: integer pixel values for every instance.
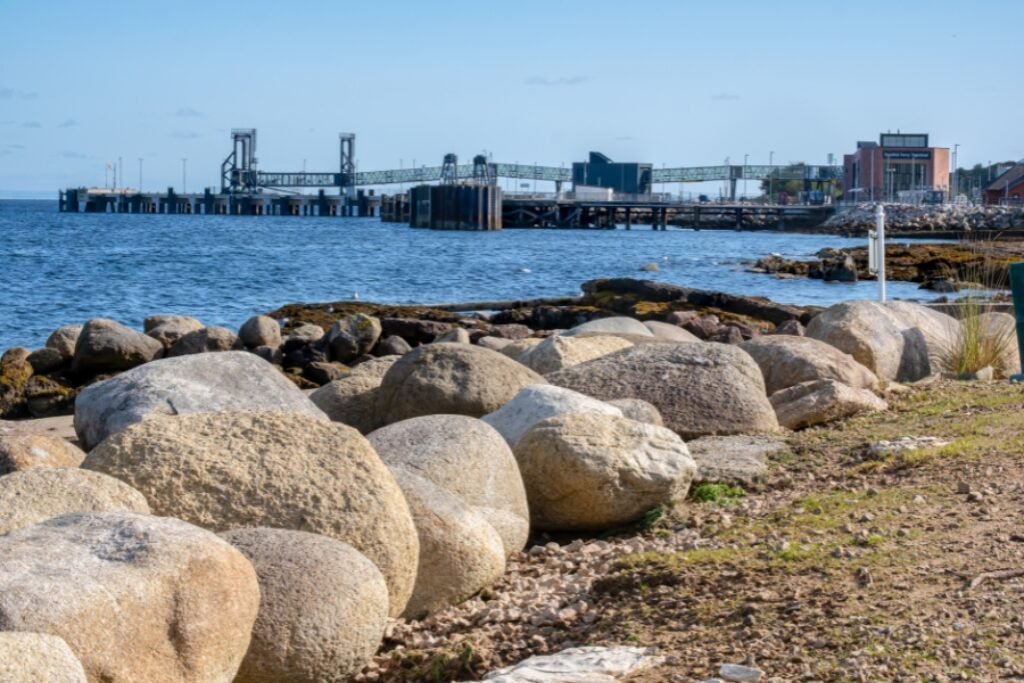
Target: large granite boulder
(821, 401)
(517, 348)
(260, 330)
(136, 598)
(699, 389)
(670, 332)
(179, 386)
(466, 458)
(613, 325)
(460, 552)
(786, 360)
(207, 340)
(39, 494)
(1000, 333)
(21, 449)
(168, 329)
(560, 352)
(940, 331)
(589, 472)
(227, 470)
(451, 378)
(639, 410)
(323, 607)
(877, 338)
(352, 398)
(538, 402)
(46, 360)
(38, 658)
(353, 336)
(108, 346)
(63, 340)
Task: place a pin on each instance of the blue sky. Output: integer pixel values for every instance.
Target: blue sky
(679, 83)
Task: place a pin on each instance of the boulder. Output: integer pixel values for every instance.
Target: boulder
(738, 459)
(456, 335)
(699, 389)
(940, 331)
(21, 449)
(787, 360)
(63, 340)
(670, 332)
(790, 327)
(588, 472)
(560, 352)
(260, 330)
(639, 410)
(322, 372)
(46, 397)
(460, 552)
(38, 658)
(190, 384)
(613, 325)
(510, 331)
(206, 340)
(392, 346)
(414, 330)
(285, 470)
(323, 607)
(271, 354)
(306, 333)
(538, 402)
(375, 367)
(591, 664)
(451, 378)
(108, 346)
(821, 401)
(42, 493)
(516, 349)
(136, 598)
(351, 400)
(494, 343)
(353, 336)
(877, 337)
(466, 458)
(15, 373)
(46, 360)
(168, 329)
(1001, 331)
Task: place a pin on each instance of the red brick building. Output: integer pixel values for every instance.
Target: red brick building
(1009, 187)
(897, 163)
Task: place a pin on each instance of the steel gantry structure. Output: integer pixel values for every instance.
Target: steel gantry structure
(240, 175)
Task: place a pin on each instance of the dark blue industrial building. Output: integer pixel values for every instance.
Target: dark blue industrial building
(600, 171)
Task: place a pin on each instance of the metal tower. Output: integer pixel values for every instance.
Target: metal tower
(348, 163)
(450, 169)
(483, 172)
(238, 172)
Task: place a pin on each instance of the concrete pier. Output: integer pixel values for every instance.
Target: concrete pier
(208, 203)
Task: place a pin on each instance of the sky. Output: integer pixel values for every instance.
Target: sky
(669, 82)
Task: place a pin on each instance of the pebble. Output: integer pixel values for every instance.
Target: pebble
(738, 673)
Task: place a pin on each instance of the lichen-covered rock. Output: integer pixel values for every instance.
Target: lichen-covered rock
(460, 552)
(306, 332)
(468, 459)
(21, 449)
(699, 389)
(821, 401)
(323, 607)
(136, 598)
(560, 352)
(15, 372)
(207, 340)
(38, 658)
(786, 360)
(46, 397)
(168, 329)
(455, 379)
(538, 402)
(199, 383)
(46, 360)
(108, 346)
(35, 495)
(353, 336)
(260, 330)
(227, 470)
(585, 471)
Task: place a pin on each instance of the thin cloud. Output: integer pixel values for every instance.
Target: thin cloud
(625, 138)
(70, 123)
(15, 94)
(31, 124)
(15, 146)
(188, 113)
(185, 134)
(72, 155)
(725, 97)
(559, 81)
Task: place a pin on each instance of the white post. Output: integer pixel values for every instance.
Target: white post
(880, 244)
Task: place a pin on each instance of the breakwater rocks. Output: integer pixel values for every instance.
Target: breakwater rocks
(937, 267)
(908, 218)
(221, 524)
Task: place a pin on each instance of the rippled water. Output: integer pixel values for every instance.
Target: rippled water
(59, 268)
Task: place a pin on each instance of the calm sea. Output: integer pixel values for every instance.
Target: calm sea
(61, 268)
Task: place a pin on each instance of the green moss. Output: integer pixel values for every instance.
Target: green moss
(708, 492)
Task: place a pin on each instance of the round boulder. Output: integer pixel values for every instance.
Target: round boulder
(560, 352)
(178, 386)
(350, 400)
(585, 471)
(227, 470)
(460, 552)
(108, 346)
(39, 494)
(323, 607)
(670, 332)
(786, 360)
(260, 330)
(38, 658)
(537, 402)
(63, 340)
(206, 340)
(21, 449)
(466, 458)
(136, 598)
(167, 329)
(353, 336)
(451, 378)
(613, 325)
(639, 410)
(699, 389)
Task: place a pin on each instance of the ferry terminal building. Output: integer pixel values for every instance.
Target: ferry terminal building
(897, 165)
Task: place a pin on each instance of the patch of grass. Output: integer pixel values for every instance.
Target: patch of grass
(716, 493)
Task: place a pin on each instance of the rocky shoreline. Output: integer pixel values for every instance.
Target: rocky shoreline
(454, 494)
(929, 218)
